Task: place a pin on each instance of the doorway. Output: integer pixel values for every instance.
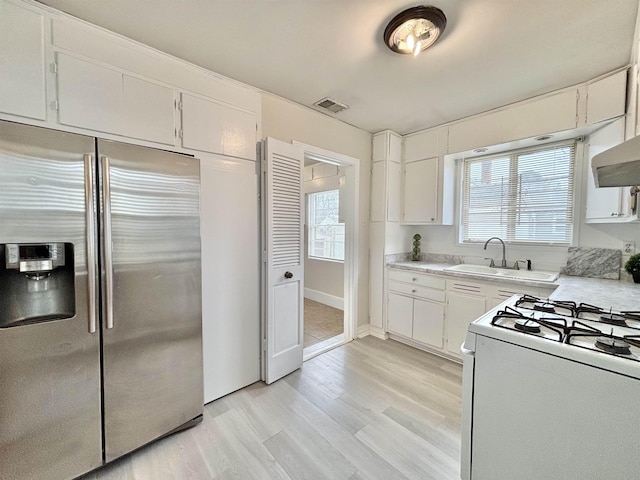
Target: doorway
(330, 250)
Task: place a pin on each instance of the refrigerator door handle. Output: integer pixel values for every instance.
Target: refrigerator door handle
(108, 257)
(91, 240)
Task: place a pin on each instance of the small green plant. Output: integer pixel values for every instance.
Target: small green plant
(633, 264)
(416, 248)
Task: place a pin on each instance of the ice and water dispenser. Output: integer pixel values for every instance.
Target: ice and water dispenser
(37, 283)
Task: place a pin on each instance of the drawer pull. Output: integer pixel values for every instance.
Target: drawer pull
(414, 279)
(413, 291)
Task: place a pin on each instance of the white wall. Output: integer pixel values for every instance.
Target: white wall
(288, 121)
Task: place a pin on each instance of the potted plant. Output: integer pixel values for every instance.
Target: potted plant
(633, 267)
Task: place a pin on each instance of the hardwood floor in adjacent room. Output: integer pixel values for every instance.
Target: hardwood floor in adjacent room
(371, 409)
(321, 322)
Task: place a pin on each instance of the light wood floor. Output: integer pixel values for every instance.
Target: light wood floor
(371, 409)
(321, 322)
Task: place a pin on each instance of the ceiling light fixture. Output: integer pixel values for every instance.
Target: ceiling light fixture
(415, 29)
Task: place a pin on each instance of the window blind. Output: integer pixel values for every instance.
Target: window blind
(520, 196)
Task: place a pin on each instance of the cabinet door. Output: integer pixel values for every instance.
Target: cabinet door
(22, 77)
(400, 315)
(545, 115)
(149, 111)
(606, 98)
(210, 126)
(89, 95)
(421, 191)
(394, 187)
(603, 204)
(378, 192)
(428, 322)
(461, 311)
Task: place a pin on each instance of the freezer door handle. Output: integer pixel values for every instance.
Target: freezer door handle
(108, 247)
(89, 193)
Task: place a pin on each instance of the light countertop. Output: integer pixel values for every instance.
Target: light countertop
(619, 295)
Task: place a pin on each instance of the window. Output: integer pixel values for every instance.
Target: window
(520, 196)
(326, 233)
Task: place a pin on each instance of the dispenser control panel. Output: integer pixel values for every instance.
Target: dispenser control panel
(34, 257)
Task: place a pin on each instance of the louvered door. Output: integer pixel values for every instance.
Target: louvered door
(283, 299)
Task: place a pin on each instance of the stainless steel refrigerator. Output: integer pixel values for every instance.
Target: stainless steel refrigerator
(100, 300)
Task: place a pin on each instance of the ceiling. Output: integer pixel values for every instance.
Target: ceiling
(492, 53)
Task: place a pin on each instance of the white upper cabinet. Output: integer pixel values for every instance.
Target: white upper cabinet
(89, 95)
(213, 127)
(386, 177)
(22, 62)
(553, 113)
(548, 114)
(423, 145)
(378, 192)
(607, 204)
(476, 132)
(606, 97)
(149, 110)
(428, 179)
(421, 192)
(387, 146)
(100, 98)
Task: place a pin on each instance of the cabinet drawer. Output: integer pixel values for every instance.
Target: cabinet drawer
(470, 288)
(417, 291)
(506, 291)
(417, 279)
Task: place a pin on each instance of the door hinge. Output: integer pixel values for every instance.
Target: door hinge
(264, 256)
(179, 105)
(54, 68)
(55, 105)
(180, 133)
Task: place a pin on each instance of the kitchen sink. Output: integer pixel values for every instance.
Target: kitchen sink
(538, 275)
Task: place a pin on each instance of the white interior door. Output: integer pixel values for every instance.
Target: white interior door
(283, 297)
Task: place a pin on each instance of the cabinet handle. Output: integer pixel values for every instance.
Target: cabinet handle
(288, 275)
(413, 291)
(414, 279)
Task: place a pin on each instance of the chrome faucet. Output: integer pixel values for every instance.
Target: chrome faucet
(503, 263)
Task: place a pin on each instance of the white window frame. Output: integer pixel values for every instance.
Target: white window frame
(574, 225)
(310, 238)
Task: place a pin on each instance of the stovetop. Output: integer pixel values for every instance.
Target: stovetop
(571, 326)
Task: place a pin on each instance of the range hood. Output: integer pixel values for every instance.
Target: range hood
(619, 166)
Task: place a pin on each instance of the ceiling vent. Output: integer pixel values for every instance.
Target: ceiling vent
(331, 105)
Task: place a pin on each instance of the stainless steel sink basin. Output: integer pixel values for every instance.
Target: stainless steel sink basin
(537, 275)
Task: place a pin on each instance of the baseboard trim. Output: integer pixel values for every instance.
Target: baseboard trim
(378, 332)
(363, 331)
(324, 298)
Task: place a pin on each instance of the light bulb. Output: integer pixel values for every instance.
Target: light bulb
(418, 48)
(411, 42)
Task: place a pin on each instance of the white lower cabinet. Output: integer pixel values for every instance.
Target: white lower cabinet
(434, 312)
(428, 322)
(400, 314)
(415, 307)
(462, 309)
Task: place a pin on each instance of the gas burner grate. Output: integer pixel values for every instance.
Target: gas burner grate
(558, 307)
(548, 328)
(590, 338)
(622, 319)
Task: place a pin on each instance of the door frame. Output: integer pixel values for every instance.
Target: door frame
(352, 236)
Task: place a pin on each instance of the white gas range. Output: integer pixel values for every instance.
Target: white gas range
(551, 390)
